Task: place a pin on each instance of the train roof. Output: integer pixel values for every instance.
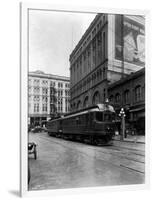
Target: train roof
(98, 108)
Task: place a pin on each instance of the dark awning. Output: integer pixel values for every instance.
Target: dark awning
(137, 109)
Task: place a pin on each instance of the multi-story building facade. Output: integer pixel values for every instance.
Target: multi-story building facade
(48, 96)
(111, 48)
(129, 93)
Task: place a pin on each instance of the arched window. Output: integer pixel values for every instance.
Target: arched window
(79, 105)
(117, 98)
(96, 98)
(111, 98)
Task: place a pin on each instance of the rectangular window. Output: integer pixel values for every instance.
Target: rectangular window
(104, 45)
(99, 116)
(37, 107)
(29, 81)
(29, 105)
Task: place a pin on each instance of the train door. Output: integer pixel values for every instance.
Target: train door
(91, 119)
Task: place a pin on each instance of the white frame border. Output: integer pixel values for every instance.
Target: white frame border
(23, 98)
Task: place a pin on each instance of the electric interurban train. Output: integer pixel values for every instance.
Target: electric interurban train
(94, 125)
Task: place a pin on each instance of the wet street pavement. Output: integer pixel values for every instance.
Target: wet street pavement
(68, 164)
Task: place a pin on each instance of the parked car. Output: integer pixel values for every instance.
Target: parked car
(37, 129)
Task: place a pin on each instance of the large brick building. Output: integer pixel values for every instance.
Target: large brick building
(129, 93)
(111, 48)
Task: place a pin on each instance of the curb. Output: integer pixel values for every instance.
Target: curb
(129, 141)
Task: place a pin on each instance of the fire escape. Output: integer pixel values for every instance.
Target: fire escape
(53, 100)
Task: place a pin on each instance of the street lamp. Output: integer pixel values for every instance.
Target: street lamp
(107, 100)
(122, 115)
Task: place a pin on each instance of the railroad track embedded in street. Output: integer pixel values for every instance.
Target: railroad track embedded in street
(117, 152)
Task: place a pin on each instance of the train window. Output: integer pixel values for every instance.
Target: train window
(107, 117)
(87, 118)
(91, 116)
(77, 120)
(113, 117)
(99, 116)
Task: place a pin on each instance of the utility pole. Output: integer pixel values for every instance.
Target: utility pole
(122, 115)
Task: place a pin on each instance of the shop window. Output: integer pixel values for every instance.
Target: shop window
(117, 98)
(126, 96)
(138, 93)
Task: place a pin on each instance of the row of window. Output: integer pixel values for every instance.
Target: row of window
(37, 108)
(90, 81)
(137, 97)
(60, 109)
(89, 59)
(60, 85)
(95, 30)
(45, 91)
(37, 90)
(37, 82)
(60, 93)
(95, 100)
(53, 99)
(45, 82)
(38, 98)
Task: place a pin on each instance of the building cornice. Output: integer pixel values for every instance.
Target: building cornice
(128, 78)
(136, 18)
(48, 76)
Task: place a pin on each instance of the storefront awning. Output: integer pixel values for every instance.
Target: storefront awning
(137, 109)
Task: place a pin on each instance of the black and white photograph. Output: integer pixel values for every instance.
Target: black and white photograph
(85, 99)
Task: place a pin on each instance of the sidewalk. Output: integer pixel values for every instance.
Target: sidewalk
(131, 138)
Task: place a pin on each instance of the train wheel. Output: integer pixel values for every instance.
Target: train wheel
(96, 141)
(70, 137)
(92, 141)
(107, 139)
(82, 139)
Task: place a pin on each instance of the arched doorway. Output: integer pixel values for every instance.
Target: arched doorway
(86, 102)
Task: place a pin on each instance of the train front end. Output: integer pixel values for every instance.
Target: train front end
(104, 124)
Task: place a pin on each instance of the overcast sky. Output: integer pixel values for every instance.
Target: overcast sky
(52, 37)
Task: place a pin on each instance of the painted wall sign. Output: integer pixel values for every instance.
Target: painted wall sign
(132, 35)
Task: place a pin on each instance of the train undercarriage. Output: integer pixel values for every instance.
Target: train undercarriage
(92, 139)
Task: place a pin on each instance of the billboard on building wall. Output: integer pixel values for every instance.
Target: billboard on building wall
(131, 35)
